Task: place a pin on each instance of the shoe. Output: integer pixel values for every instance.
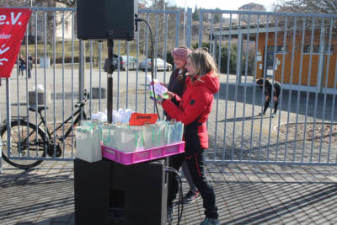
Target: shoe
(210, 221)
(169, 214)
(191, 196)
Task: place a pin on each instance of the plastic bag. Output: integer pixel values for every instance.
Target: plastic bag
(100, 116)
(121, 116)
(155, 134)
(122, 138)
(118, 116)
(88, 146)
(175, 132)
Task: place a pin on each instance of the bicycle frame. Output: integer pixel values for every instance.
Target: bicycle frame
(76, 120)
(45, 140)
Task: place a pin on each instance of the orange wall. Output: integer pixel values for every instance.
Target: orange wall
(332, 77)
(297, 62)
(296, 69)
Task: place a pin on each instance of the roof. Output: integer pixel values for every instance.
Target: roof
(236, 30)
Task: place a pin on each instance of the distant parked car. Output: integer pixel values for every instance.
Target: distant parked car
(159, 64)
(115, 62)
(129, 62)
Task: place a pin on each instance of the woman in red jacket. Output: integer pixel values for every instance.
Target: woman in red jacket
(193, 110)
(176, 85)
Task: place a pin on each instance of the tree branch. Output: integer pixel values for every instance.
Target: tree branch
(313, 6)
(69, 3)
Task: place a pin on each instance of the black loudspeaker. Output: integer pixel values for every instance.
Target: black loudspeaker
(144, 192)
(91, 187)
(104, 19)
(107, 193)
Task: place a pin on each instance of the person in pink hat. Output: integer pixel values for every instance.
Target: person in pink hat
(178, 76)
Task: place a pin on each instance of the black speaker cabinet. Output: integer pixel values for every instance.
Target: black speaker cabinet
(103, 19)
(108, 193)
(91, 187)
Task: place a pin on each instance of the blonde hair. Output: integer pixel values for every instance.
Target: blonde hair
(203, 62)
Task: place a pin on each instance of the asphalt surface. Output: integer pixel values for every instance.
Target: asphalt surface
(247, 193)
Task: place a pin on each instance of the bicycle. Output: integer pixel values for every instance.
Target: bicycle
(29, 140)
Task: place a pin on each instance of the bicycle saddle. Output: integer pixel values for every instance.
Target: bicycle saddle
(38, 108)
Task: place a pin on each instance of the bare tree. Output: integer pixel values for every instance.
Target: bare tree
(68, 3)
(311, 25)
(27, 3)
(9, 3)
(52, 3)
(313, 6)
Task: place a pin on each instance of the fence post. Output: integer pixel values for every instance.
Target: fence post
(81, 73)
(177, 29)
(8, 119)
(320, 73)
(188, 27)
(238, 59)
(201, 18)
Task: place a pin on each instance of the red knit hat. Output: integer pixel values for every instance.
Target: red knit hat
(181, 52)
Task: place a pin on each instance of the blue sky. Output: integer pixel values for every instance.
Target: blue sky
(222, 4)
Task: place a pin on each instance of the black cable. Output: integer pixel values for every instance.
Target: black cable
(152, 61)
(181, 203)
(168, 169)
(180, 187)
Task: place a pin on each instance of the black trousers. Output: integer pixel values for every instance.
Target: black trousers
(266, 103)
(195, 164)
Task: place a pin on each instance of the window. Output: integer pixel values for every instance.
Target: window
(308, 49)
(279, 49)
(316, 49)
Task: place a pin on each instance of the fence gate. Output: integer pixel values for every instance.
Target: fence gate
(297, 50)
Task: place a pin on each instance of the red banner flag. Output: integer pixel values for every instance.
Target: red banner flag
(13, 23)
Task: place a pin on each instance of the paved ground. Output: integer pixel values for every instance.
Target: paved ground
(265, 194)
(245, 195)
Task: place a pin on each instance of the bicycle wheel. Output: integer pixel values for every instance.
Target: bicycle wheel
(25, 143)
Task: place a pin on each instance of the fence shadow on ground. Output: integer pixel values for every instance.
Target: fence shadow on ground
(274, 151)
(238, 119)
(281, 207)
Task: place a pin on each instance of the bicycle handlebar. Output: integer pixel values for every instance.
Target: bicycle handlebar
(85, 94)
(83, 100)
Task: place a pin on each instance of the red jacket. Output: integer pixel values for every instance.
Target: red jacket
(194, 108)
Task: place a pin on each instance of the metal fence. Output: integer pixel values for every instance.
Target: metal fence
(298, 50)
